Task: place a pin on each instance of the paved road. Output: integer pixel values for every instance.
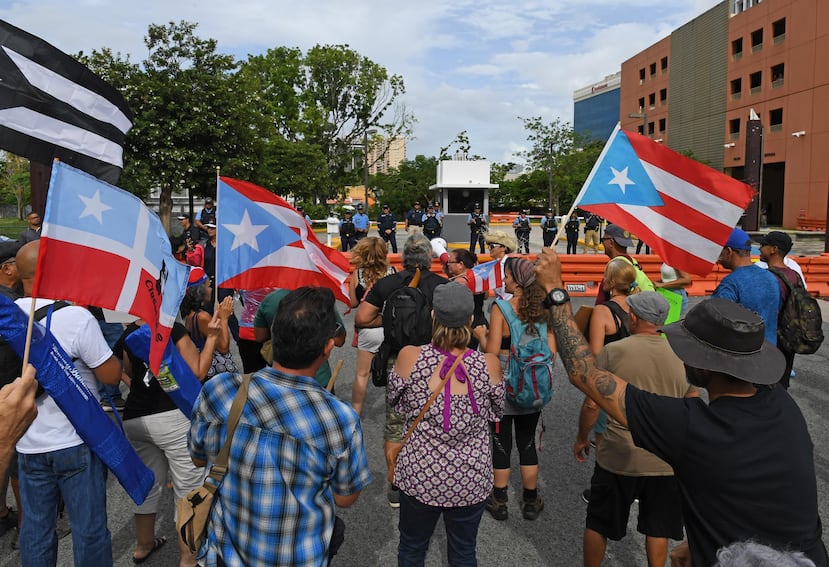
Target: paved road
(553, 540)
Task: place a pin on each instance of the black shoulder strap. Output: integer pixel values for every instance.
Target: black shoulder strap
(782, 276)
(617, 312)
(44, 311)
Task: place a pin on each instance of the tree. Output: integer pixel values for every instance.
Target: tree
(549, 143)
(331, 99)
(191, 114)
(407, 183)
(15, 185)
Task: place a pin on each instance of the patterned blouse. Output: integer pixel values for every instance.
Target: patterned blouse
(447, 461)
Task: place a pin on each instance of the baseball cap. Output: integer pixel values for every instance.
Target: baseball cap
(8, 250)
(777, 238)
(181, 217)
(649, 306)
(385, 206)
(210, 225)
(197, 276)
(739, 240)
(453, 305)
(618, 234)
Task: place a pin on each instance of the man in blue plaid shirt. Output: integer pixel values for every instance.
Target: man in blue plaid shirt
(297, 452)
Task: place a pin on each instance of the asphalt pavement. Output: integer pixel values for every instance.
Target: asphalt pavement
(554, 539)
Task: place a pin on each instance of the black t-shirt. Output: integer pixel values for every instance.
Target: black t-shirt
(745, 468)
(378, 294)
(143, 399)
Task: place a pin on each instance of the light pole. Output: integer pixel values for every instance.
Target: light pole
(644, 117)
(553, 200)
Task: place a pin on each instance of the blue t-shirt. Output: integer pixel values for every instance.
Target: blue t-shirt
(756, 289)
(361, 221)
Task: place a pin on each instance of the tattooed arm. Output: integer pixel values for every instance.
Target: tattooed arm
(604, 388)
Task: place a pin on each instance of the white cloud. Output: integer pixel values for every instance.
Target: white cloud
(472, 65)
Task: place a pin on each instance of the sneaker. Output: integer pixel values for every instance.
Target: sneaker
(8, 521)
(394, 496)
(15, 543)
(530, 509)
(586, 496)
(498, 508)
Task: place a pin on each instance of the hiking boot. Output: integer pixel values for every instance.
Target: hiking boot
(498, 508)
(586, 496)
(394, 496)
(530, 509)
(8, 521)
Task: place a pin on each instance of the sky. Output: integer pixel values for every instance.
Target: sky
(474, 65)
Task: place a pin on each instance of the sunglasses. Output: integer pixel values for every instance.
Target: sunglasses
(491, 246)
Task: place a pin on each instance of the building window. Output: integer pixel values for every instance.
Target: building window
(661, 125)
(652, 100)
(776, 119)
(737, 48)
(640, 129)
(733, 128)
(650, 128)
(755, 82)
(663, 96)
(757, 40)
(653, 69)
(641, 104)
(777, 72)
(663, 63)
(642, 76)
(778, 30)
(736, 88)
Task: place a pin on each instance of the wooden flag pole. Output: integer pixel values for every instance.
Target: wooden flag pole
(334, 375)
(29, 333)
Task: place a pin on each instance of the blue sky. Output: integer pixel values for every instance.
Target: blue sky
(467, 65)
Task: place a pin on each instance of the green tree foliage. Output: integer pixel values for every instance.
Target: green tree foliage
(15, 187)
(329, 101)
(190, 114)
(402, 186)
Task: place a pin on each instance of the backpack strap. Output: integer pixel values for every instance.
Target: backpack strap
(54, 306)
(416, 279)
(517, 327)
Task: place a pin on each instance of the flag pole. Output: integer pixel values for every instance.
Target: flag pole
(215, 255)
(587, 181)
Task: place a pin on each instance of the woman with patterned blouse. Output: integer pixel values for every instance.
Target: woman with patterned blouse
(445, 467)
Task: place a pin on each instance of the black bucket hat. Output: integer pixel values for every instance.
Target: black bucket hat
(722, 336)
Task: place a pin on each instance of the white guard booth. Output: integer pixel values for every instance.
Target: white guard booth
(461, 183)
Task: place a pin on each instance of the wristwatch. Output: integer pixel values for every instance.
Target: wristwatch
(557, 296)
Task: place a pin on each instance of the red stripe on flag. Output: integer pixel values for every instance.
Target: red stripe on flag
(68, 267)
(702, 176)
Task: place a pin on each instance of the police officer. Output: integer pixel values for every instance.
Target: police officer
(414, 219)
(522, 228)
(572, 231)
(387, 227)
(477, 222)
(361, 222)
(348, 232)
(431, 224)
(548, 228)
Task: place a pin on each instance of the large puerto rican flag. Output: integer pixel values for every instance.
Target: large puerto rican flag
(262, 241)
(684, 210)
(101, 246)
(485, 277)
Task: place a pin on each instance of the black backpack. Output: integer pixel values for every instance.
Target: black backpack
(407, 320)
(800, 323)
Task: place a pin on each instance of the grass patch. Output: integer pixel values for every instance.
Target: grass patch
(12, 227)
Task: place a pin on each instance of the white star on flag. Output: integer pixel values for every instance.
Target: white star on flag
(620, 178)
(245, 232)
(93, 207)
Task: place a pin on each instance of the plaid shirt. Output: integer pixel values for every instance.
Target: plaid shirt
(294, 445)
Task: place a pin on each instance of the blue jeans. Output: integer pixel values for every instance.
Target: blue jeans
(79, 476)
(417, 523)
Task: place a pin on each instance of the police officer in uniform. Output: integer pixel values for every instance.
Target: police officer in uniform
(387, 227)
(348, 232)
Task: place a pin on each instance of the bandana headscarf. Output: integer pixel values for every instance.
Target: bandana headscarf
(523, 271)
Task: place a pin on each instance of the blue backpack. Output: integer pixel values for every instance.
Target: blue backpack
(529, 372)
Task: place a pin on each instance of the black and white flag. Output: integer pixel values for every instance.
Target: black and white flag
(52, 106)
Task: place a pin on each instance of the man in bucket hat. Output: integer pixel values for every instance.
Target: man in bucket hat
(744, 461)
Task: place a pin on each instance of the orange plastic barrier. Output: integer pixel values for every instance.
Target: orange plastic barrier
(582, 273)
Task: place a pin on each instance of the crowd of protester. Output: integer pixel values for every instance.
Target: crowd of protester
(452, 412)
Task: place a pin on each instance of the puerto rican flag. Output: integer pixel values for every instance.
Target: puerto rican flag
(485, 277)
(262, 241)
(684, 210)
(101, 246)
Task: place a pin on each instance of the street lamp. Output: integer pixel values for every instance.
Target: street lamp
(553, 203)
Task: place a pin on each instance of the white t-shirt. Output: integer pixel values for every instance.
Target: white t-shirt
(77, 331)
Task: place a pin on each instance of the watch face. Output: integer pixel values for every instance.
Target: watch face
(558, 296)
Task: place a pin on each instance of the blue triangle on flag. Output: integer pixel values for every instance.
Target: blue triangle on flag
(247, 232)
(620, 178)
